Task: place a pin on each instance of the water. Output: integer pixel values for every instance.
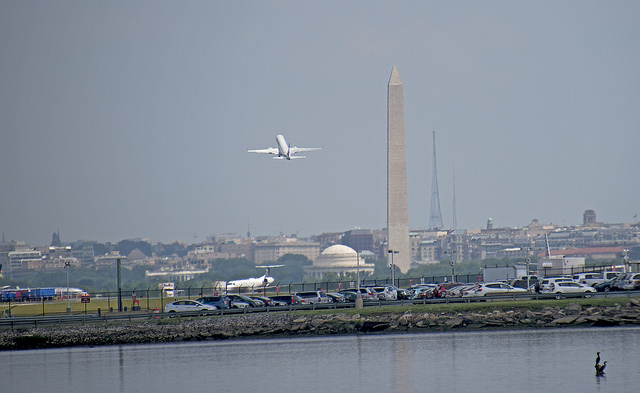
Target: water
(501, 361)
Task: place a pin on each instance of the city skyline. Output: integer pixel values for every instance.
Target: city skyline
(220, 236)
(132, 120)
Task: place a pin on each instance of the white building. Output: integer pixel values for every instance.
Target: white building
(560, 266)
(338, 259)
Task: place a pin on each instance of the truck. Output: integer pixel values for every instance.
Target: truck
(503, 273)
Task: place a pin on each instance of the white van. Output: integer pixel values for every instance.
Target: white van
(590, 279)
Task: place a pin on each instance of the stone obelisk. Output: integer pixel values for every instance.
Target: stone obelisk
(397, 205)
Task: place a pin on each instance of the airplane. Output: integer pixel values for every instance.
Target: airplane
(253, 282)
(284, 151)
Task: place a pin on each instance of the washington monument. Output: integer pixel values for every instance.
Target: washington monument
(397, 205)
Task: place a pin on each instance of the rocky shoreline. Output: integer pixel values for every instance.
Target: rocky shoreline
(286, 324)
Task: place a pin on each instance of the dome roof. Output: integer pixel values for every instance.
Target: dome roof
(339, 259)
(339, 250)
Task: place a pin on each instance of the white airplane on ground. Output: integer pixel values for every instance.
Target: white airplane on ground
(253, 282)
(284, 151)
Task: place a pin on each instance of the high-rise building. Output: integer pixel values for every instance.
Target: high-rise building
(397, 204)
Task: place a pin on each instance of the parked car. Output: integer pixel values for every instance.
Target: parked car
(221, 302)
(401, 293)
(569, 288)
(242, 301)
(631, 282)
(423, 292)
(367, 294)
(546, 282)
(603, 286)
(523, 282)
(590, 279)
(267, 301)
(385, 292)
(258, 300)
(459, 290)
(313, 297)
(349, 296)
(493, 288)
(336, 297)
(617, 284)
(189, 306)
(287, 299)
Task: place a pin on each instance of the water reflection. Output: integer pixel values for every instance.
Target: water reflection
(523, 361)
(401, 366)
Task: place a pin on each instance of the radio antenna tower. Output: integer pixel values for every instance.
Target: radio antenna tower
(455, 219)
(435, 221)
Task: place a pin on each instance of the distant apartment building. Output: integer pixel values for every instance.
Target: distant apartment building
(84, 253)
(271, 251)
(328, 239)
(206, 253)
(23, 259)
(110, 259)
(359, 240)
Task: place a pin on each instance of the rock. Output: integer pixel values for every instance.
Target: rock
(565, 320)
(572, 308)
(453, 322)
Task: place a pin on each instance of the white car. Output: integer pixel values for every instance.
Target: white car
(189, 306)
(569, 288)
(493, 288)
(632, 282)
(546, 283)
(385, 292)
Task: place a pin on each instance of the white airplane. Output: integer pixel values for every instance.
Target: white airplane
(253, 282)
(284, 151)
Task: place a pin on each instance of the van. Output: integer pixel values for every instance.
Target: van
(312, 297)
(590, 279)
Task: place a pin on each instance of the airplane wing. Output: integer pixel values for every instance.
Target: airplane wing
(269, 150)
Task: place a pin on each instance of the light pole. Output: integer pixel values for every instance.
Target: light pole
(66, 266)
(358, 272)
(452, 263)
(393, 266)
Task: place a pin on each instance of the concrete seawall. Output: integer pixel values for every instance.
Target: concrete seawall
(286, 324)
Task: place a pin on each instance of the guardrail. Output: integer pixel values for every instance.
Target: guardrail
(97, 318)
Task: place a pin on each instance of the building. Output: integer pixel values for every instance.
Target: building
(359, 239)
(397, 202)
(560, 266)
(23, 259)
(589, 217)
(338, 259)
(272, 251)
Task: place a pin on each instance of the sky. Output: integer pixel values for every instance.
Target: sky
(123, 120)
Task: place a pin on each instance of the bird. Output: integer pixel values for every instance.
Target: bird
(597, 358)
(600, 368)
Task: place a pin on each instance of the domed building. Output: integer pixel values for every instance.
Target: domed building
(338, 259)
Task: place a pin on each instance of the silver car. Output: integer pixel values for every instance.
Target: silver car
(189, 306)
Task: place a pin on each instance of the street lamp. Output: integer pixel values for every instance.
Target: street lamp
(66, 266)
(452, 263)
(358, 272)
(393, 266)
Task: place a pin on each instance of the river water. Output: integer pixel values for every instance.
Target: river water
(549, 360)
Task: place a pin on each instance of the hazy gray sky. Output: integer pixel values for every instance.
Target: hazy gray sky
(128, 119)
